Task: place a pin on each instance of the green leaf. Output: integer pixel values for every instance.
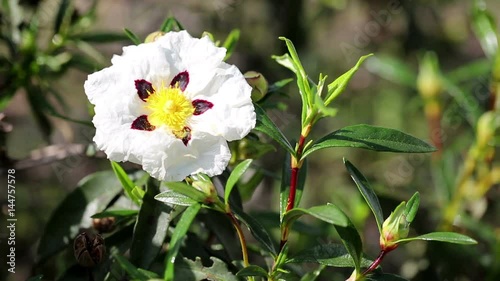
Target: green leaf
(384, 277)
(367, 192)
(188, 270)
(230, 42)
(116, 213)
(338, 86)
(150, 228)
(328, 213)
(101, 37)
(126, 182)
(278, 85)
(449, 237)
(91, 196)
(61, 14)
(186, 190)
(177, 237)
(372, 138)
(257, 230)
(175, 198)
(132, 36)
(267, 126)
(218, 224)
(352, 242)
(170, 23)
(334, 255)
(484, 26)
(392, 69)
(236, 174)
(252, 270)
(412, 207)
(470, 71)
(285, 184)
(133, 272)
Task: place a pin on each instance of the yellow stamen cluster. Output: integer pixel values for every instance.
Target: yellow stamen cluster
(169, 106)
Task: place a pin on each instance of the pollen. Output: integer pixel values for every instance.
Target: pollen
(169, 107)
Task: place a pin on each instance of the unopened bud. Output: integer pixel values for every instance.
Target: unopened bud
(259, 84)
(206, 186)
(154, 36)
(486, 127)
(429, 83)
(395, 227)
(89, 249)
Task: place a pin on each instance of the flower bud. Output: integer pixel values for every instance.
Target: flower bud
(395, 227)
(205, 185)
(486, 127)
(259, 84)
(429, 82)
(154, 36)
(89, 249)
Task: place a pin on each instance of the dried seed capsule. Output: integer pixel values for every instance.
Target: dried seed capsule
(89, 249)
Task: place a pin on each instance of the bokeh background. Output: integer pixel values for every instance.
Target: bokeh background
(330, 35)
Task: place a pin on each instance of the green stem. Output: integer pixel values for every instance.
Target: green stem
(241, 236)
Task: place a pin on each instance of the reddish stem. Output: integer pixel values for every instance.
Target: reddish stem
(295, 173)
(376, 262)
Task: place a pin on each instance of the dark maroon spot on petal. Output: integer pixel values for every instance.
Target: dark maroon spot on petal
(181, 79)
(200, 106)
(142, 123)
(144, 88)
(187, 135)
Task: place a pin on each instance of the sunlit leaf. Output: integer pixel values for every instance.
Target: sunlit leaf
(175, 198)
(230, 42)
(449, 237)
(484, 26)
(372, 138)
(127, 183)
(236, 174)
(328, 213)
(338, 86)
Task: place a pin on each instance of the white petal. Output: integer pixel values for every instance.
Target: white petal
(232, 115)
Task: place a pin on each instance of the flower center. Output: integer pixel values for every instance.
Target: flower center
(169, 106)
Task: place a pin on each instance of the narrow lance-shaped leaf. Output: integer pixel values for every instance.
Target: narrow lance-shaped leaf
(352, 242)
(131, 35)
(126, 182)
(372, 138)
(184, 189)
(230, 42)
(449, 237)
(151, 227)
(175, 198)
(328, 213)
(236, 174)
(188, 270)
(367, 192)
(334, 255)
(267, 126)
(176, 241)
(257, 230)
(484, 26)
(338, 86)
(169, 24)
(412, 207)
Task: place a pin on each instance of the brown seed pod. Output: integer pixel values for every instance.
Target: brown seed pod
(104, 225)
(89, 249)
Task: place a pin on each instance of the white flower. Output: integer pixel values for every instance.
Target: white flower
(171, 106)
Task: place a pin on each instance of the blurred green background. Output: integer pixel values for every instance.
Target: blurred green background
(330, 35)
